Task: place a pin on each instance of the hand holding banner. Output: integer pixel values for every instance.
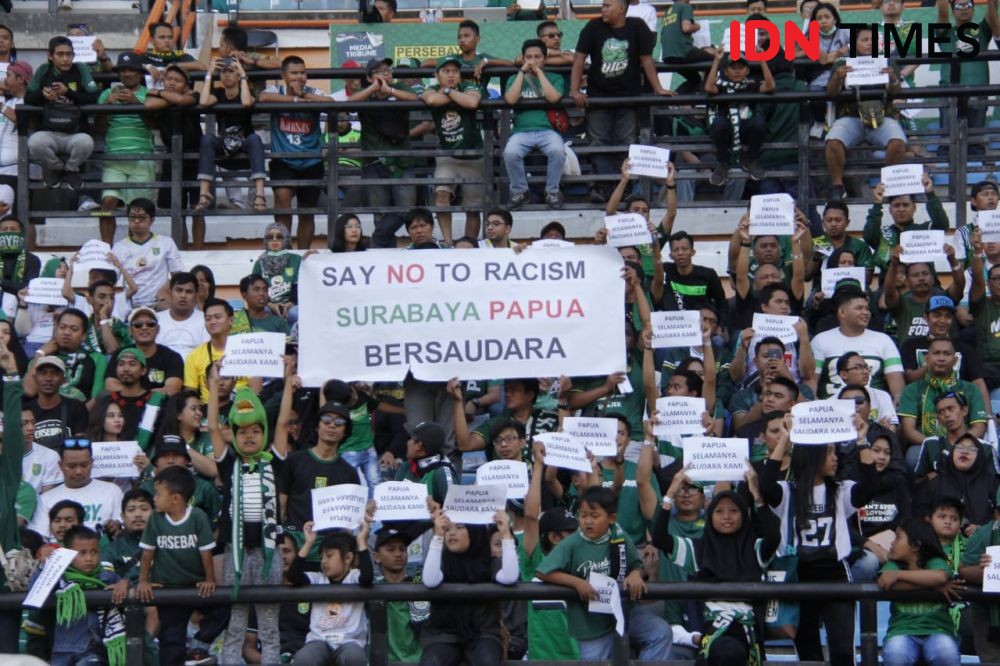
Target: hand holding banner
(921, 246)
(46, 291)
(823, 422)
(831, 276)
(474, 505)
(564, 451)
(772, 214)
(679, 415)
(512, 474)
(715, 458)
(254, 355)
(681, 328)
(608, 601)
(400, 500)
(627, 229)
(338, 507)
(52, 571)
(866, 71)
(599, 435)
(113, 460)
(777, 326)
(648, 161)
(902, 179)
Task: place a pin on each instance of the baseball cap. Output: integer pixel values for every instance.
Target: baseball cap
(21, 68)
(129, 60)
(557, 520)
(448, 60)
(976, 189)
(143, 310)
(940, 302)
(170, 444)
(412, 63)
(428, 433)
(387, 534)
(375, 63)
(351, 64)
(53, 361)
(134, 353)
(732, 61)
(337, 408)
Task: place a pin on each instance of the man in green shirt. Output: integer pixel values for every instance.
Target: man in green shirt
(986, 313)
(404, 617)
(901, 209)
(454, 101)
(519, 404)
(909, 309)
(125, 134)
(123, 553)
(676, 38)
(836, 220)
(532, 128)
(256, 317)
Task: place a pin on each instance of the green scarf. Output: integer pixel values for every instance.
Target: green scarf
(247, 410)
(71, 607)
(13, 243)
(720, 617)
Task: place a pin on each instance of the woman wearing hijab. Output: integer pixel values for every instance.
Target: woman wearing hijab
(966, 474)
(466, 631)
(891, 504)
(280, 267)
(18, 265)
(36, 323)
(736, 546)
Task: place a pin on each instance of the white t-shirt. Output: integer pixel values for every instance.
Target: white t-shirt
(337, 622)
(150, 265)
(878, 350)
(645, 12)
(40, 467)
(43, 322)
(119, 310)
(882, 405)
(8, 139)
(101, 501)
(181, 336)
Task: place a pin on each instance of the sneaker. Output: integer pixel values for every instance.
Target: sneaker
(198, 657)
(837, 194)
(597, 197)
(816, 131)
(554, 200)
(66, 5)
(72, 180)
(753, 169)
(87, 204)
(719, 174)
(518, 200)
(53, 178)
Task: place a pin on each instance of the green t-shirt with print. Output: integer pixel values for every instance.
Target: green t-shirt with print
(678, 565)
(986, 314)
(206, 495)
(127, 133)
(632, 405)
(917, 402)
(919, 618)
(971, 73)
(548, 622)
(579, 556)
(629, 512)
(457, 128)
(362, 434)
(534, 120)
(279, 285)
(823, 248)
(177, 562)
(675, 43)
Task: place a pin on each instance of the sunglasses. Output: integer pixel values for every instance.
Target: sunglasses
(858, 399)
(330, 419)
(144, 324)
(76, 443)
(275, 237)
(553, 34)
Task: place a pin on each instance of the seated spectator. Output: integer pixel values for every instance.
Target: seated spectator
(834, 44)
(836, 220)
(17, 266)
(738, 127)
(182, 325)
(15, 86)
(256, 316)
(555, 56)
(775, 299)
(891, 505)
(347, 236)
(62, 144)
(499, 223)
(123, 552)
(164, 367)
(908, 309)
(56, 416)
(125, 134)
(868, 120)
(148, 258)
(676, 38)
(83, 370)
(952, 417)
(234, 136)
(749, 285)
(853, 370)
(902, 208)
(457, 130)
(968, 474)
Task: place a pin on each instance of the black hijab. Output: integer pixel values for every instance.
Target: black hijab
(975, 488)
(475, 564)
(729, 557)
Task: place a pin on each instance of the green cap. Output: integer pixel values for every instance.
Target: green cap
(412, 63)
(134, 353)
(449, 60)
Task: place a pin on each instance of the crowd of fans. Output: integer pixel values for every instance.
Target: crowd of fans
(225, 466)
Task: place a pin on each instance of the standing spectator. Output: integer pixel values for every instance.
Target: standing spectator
(14, 87)
(471, 58)
(233, 43)
(620, 51)
(457, 129)
(163, 52)
(532, 128)
(125, 134)
(296, 132)
(61, 86)
(902, 208)
(234, 136)
(182, 326)
(645, 11)
(150, 259)
(677, 44)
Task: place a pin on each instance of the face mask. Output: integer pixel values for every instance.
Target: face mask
(11, 242)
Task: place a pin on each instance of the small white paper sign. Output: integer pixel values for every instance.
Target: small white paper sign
(823, 422)
(625, 386)
(552, 243)
(513, 474)
(778, 326)
(715, 458)
(903, 179)
(565, 451)
(339, 507)
(113, 460)
(254, 355)
(55, 565)
(680, 328)
(741, 44)
(93, 255)
(988, 222)
(680, 415)
(83, 49)
(831, 276)
(400, 500)
(46, 291)
(609, 599)
(474, 505)
(648, 161)
(991, 574)
(921, 246)
(599, 435)
(866, 71)
(627, 229)
(772, 215)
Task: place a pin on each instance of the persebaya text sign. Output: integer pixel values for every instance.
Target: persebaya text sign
(438, 313)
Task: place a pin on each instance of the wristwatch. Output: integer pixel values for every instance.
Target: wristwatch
(446, 91)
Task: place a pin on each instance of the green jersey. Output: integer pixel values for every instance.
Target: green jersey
(884, 238)
(675, 43)
(127, 133)
(917, 402)
(629, 512)
(362, 434)
(579, 556)
(458, 128)
(281, 284)
(920, 618)
(404, 646)
(548, 624)
(123, 555)
(823, 247)
(679, 564)
(178, 547)
(206, 495)
(632, 405)
(534, 120)
(269, 323)
(987, 317)
(971, 73)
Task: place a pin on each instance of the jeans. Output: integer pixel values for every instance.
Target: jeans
(384, 196)
(57, 151)
(649, 632)
(78, 659)
(936, 650)
(752, 133)
(319, 653)
(522, 143)
(609, 127)
(367, 463)
(865, 568)
(212, 147)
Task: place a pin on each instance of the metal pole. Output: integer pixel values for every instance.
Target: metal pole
(489, 173)
(960, 139)
(332, 178)
(869, 632)
(176, 177)
(23, 168)
(135, 634)
(805, 120)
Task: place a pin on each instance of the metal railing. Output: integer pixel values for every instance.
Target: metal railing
(868, 594)
(496, 116)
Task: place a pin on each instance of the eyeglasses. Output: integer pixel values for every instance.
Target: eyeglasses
(275, 237)
(509, 439)
(966, 448)
(76, 443)
(963, 5)
(552, 34)
(145, 324)
(688, 490)
(330, 419)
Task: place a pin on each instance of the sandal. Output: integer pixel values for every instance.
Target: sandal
(204, 201)
(259, 203)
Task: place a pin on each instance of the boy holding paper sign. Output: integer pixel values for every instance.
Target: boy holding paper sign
(902, 208)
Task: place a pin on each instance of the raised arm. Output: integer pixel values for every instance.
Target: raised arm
(292, 383)
(464, 440)
(214, 427)
(644, 474)
(533, 500)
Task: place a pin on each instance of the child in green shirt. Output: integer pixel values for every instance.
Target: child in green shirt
(405, 617)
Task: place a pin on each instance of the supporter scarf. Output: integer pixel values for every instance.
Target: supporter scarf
(71, 606)
(274, 263)
(725, 617)
(246, 410)
(13, 243)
